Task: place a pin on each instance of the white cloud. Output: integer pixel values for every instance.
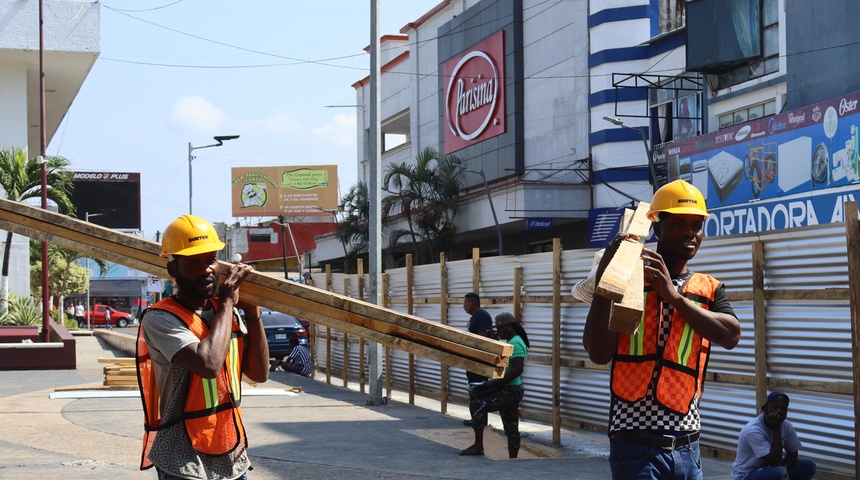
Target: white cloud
(340, 131)
(198, 113)
(281, 123)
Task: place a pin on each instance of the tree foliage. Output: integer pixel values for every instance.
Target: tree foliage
(425, 194)
(21, 179)
(354, 228)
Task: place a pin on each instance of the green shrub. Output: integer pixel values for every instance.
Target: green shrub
(23, 311)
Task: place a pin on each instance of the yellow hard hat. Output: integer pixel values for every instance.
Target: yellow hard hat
(190, 235)
(678, 197)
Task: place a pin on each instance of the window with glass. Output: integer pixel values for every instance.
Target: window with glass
(770, 61)
(676, 110)
(747, 114)
(671, 15)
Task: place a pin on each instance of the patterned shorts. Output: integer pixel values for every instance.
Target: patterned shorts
(506, 401)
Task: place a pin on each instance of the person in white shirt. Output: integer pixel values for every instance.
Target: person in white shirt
(761, 444)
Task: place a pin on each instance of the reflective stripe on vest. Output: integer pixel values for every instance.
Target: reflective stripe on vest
(679, 365)
(213, 418)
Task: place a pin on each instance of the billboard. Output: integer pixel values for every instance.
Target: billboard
(788, 170)
(288, 191)
(109, 199)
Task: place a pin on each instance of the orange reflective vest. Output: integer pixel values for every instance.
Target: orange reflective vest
(679, 365)
(212, 416)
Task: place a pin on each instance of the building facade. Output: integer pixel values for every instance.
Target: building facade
(574, 110)
(71, 46)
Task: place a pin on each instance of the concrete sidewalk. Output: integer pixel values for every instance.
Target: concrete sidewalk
(324, 432)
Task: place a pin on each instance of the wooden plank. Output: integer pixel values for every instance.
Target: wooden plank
(852, 234)
(121, 360)
(626, 315)
(443, 317)
(264, 287)
(268, 291)
(556, 341)
(617, 274)
(338, 318)
(759, 323)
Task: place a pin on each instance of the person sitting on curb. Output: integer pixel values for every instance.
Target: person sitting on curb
(501, 395)
(762, 441)
(299, 360)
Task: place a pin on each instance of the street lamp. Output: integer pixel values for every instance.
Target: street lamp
(220, 139)
(87, 216)
(489, 199)
(641, 130)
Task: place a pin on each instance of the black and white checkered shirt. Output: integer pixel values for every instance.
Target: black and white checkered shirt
(647, 414)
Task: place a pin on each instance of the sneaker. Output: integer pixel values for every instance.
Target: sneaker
(468, 422)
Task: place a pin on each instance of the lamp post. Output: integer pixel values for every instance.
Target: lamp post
(641, 130)
(218, 138)
(87, 216)
(489, 199)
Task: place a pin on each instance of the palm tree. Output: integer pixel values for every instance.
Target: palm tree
(21, 179)
(354, 229)
(426, 193)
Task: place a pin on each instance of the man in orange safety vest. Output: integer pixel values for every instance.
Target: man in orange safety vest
(658, 372)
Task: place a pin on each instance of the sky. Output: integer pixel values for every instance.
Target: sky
(173, 72)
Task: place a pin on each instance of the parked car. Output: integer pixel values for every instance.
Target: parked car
(117, 318)
(280, 328)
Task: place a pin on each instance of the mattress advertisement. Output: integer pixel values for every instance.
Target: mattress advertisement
(789, 170)
(804, 150)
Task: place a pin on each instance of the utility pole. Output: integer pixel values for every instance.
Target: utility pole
(374, 350)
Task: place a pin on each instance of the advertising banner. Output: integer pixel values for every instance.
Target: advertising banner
(289, 191)
(109, 199)
(805, 150)
(810, 208)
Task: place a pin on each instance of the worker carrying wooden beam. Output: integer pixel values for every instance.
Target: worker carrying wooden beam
(658, 371)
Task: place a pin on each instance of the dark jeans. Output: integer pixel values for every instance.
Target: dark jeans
(632, 461)
(804, 469)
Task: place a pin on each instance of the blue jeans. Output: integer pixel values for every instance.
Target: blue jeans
(632, 461)
(804, 469)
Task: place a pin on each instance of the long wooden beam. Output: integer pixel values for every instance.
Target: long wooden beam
(409, 333)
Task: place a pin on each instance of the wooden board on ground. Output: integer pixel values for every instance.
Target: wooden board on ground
(388, 327)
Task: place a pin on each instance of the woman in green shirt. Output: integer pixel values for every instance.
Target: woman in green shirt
(504, 394)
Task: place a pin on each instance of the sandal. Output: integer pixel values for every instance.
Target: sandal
(472, 450)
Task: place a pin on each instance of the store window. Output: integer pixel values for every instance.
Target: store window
(747, 114)
(676, 110)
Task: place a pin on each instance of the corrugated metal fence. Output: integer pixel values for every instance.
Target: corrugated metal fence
(806, 330)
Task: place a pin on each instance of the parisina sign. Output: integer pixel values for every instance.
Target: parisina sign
(475, 94)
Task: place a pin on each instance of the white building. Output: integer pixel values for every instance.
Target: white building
(71, 46)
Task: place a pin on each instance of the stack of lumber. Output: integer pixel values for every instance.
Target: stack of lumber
(623, 279)
(409, 333)
(120, 373)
